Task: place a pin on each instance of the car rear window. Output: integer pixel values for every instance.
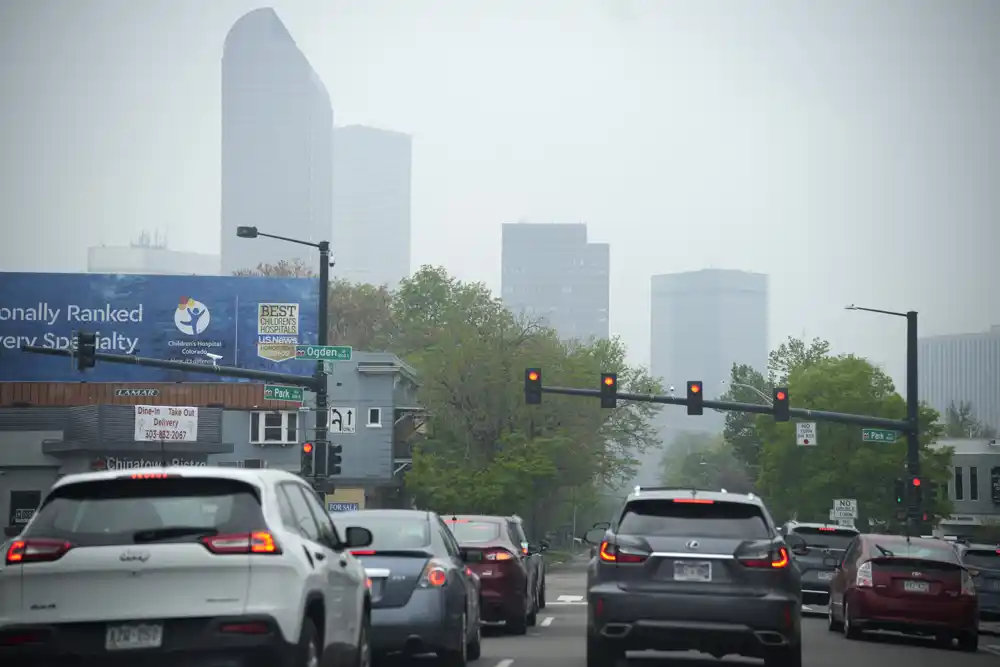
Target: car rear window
(665, 518)
(470, 532)
(981, 558)
(901, 549)
(826, 538)
(119, 511)
(391, 533)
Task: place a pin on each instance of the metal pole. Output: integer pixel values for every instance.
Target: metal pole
(912, 404)
(322, 450)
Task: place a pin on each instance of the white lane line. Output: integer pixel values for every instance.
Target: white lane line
(547, 621)
(566, 604)
(507, 662)
(569, 598)
(995, 650)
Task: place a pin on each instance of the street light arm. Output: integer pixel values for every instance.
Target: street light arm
(875, 310)
(285, 238)
(767, 399)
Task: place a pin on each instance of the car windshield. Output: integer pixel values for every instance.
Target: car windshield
(126, 511)
(983, 559)
(826, 538)
(472, 531)
(902, 549)
(717, 519)
(392, 533)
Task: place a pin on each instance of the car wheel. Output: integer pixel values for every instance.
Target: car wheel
(541, 596)
(831, 622)
(786, 656)
(517, 625)
(850, 632)
(532, 617)
(457, 657)
(601, 652)
(969, 642)
(475, 647)
(308, 651)
(365, 644)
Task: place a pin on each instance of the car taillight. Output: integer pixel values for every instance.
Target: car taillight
(36, 550)
(363, 552)
(259, 542)
(774, 558)
(435, 574)
(497, 554)
(612, 553)
(968, 585)
(864, 576)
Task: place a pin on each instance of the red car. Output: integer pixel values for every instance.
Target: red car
(494, 551)
(911, 585)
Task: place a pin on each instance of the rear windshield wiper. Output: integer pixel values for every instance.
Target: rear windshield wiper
(885, 552)
(170, 532)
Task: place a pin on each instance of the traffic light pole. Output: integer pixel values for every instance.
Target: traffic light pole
(323, 337)
(912, 397)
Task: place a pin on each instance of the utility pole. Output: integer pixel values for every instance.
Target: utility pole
(323, 336)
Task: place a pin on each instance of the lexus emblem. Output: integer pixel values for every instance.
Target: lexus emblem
(916, 574)
(692, 545)
(132, 555)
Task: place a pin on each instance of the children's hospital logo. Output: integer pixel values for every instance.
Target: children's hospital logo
(191, 317)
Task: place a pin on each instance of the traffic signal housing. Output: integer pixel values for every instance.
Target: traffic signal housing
(695, 398)
(333, 460)
(609, 390)
(899, 488)
(533, 386)
(86, 348)
(781, 412)
(307, 467)
(917, 491)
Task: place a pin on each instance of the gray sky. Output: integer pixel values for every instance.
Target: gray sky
(848, 148)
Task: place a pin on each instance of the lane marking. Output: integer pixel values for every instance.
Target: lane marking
(547, 621)
(581, 603)
(569, 598)
(507, 662)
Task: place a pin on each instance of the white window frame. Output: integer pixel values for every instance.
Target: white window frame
(368, 418)
(261, 416)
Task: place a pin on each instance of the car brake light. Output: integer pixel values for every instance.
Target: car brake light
(252, 628)
(694, 501)
(258, 542)
(827, 530)
(612, 553)
(363, 552)
(36, 550)
(524, 550)
(864, 576)
(151, 475)
(498, 554)
(968, 585)
(435, 574)
(770, 558)
(22, 637)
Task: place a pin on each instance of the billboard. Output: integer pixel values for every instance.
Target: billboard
(249, 322)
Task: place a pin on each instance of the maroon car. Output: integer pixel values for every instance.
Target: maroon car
(504, 566)
(911, 585)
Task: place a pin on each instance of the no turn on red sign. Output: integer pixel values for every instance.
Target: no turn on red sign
(805, 434)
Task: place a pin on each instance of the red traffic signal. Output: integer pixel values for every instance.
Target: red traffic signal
(307, 448)
(533, 376)
(609, 390)
(694, 398)
(609, 380)
(780, 395)
(916, 481)
(782, 412)
(532, 386)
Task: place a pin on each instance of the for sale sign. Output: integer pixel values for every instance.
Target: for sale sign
(165, 423)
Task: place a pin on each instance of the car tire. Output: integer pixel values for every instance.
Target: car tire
(308, 652)
(541, 596)
(786, 656)
(457, 657)
(475, 646)
(969, 642)
(532, 618)
(849, 629)
(363, 657)
(517, 625)
(601, 652)
(832, 624)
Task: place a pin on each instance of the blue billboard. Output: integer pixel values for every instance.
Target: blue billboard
(249, 322)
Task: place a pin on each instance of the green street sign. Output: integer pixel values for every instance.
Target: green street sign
(877, 435)
(323, 352)
(277, 392)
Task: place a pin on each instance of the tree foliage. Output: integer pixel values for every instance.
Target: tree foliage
(283, 268)
(961, 422)
(703, 460)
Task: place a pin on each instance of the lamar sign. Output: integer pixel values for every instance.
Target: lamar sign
(127, 462)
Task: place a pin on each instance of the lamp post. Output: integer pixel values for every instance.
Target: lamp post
(322, 335)
(768, 400)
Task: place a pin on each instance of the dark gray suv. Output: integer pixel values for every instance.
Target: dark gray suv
(684, 569)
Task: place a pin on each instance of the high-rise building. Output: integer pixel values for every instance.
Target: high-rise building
(371, 205)
(277, 145)
(551, 272)
(149, 255)
(701, 323)
(962, 368)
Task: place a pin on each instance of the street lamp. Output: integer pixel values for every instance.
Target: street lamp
(322, 335)
(767, 399)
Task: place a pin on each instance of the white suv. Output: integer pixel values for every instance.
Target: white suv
(184, 566)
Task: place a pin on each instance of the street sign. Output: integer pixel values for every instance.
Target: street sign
(342, 420)
(805, 434)
(878, 435)
(845, 508)
(846, 523)
(323, 352)
(845, 514)
(277, 392)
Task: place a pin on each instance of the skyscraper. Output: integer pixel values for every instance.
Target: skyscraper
(371, 205)
(701, 323)
(551, 272)
(277, 144)
(962, 368)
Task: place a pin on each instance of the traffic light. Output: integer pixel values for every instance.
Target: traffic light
(533, 386)
(917, 489)
(781, 404)
(306, 469)
(695, 398)
(321, 450)
(609, 390)
(86, 348)
(900, 490)
(333, 460)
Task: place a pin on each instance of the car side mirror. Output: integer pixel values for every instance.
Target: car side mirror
(356, 537)
(594, 536)
(831, 561)
(797, 545)
(11, 531)
(471, 556)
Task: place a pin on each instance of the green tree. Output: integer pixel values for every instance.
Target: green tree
(703, 460)
(801, 482)
(961, 422)
(295, 268)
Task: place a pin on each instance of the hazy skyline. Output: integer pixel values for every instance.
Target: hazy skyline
(815, 142)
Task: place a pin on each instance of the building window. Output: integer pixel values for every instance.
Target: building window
(374, 417)
(973, 483)
(959, 490)
(274, 427)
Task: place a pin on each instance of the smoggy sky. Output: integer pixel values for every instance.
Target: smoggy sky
(848, 148)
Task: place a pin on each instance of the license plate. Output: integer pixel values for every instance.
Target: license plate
(825, 576)
(692, 571)
(916, 586)
(133, 636)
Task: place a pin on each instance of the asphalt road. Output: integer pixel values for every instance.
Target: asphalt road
(558, 641)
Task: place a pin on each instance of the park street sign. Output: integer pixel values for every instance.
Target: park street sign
(805, 434)
(277, 392)
(323, 352)
(877, 435)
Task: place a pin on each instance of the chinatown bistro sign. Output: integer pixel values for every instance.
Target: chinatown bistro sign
(130, 462)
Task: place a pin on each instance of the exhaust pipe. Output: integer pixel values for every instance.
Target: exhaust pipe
(768, 638)
(616, 630)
